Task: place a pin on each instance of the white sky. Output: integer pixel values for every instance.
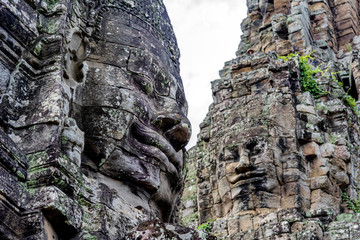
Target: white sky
(208, 34)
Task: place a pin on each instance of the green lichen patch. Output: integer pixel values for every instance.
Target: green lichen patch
(37, 49)
(190, 218)
(35, 159)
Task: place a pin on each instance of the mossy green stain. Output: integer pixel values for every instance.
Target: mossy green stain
(191, 218)
(64, 140)
(20, 175)
(83, 202)
(52, 26)
(37, 52)
(51, 3)
(35, 158)
(88, 236)
(345, 217)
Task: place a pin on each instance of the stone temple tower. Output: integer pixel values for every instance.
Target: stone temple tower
(92, 120)
(275, 157)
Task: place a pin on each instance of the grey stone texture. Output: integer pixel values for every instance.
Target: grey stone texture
(272, 161)
(92, 118)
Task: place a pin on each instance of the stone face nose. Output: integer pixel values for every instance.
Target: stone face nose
(175, 127)
(244, 164)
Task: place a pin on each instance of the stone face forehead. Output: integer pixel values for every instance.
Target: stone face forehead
(142, 14)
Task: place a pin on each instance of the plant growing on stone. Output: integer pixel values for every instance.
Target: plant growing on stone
(205, 226)
(307, 72)
(348, 47)
(351, 204)
(347, 99)
(307, 80)
(309, 84)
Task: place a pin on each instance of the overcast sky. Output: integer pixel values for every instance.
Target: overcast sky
(208, 34)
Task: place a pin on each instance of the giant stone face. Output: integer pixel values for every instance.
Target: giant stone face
(94, 117)
(134, 111)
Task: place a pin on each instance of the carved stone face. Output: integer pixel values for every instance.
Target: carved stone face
(134, 110)
(251, 172)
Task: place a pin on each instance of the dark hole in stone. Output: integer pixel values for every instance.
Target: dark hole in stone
(139, 207)
(251, 146)
(282, 144)
(322, 125)
(353, 92)
(349, 86)
(284, 34)
(59, 223)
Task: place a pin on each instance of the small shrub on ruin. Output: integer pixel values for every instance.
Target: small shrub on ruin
(351, 204)
(205, 226)
(309, 84)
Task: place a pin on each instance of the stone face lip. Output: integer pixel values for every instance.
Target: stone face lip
(273, 161)
(148, 137)
(93, 123)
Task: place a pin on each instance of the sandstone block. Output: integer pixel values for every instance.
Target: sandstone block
(319, 167)
(222, 209)
(296, 188)
(233, 225)
(342, 153)
(216, 196)
(289, 215)
(219, 226)
(224, 187)
(293, 175)
(327, 150)
(270, 218)
(322, 182)
(205, 201)
(311, 150)
(322, 200)
(205, 215)
(246, 222)
(282, 227)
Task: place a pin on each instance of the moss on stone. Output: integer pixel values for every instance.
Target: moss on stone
(37, 50)
(35, 158)
(52, 26)
(83, 202)
(346, 217)
(190, 218)
(51, 3)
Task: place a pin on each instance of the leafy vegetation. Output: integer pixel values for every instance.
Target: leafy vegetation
(309, 84)
(307, 80)
(351, 204)
(206, 226)
(347, 99)
(350, 101)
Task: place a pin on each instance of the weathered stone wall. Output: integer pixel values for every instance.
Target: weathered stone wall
(92, 118)
(189, 214)
(272, 160)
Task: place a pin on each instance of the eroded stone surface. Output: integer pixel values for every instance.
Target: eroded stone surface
(267, 152)
(93, 118)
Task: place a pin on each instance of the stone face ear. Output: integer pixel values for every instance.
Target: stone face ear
(72, 141)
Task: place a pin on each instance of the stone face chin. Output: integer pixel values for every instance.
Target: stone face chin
(93, 118)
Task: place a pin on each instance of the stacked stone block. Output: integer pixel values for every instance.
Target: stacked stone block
(272, 160)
